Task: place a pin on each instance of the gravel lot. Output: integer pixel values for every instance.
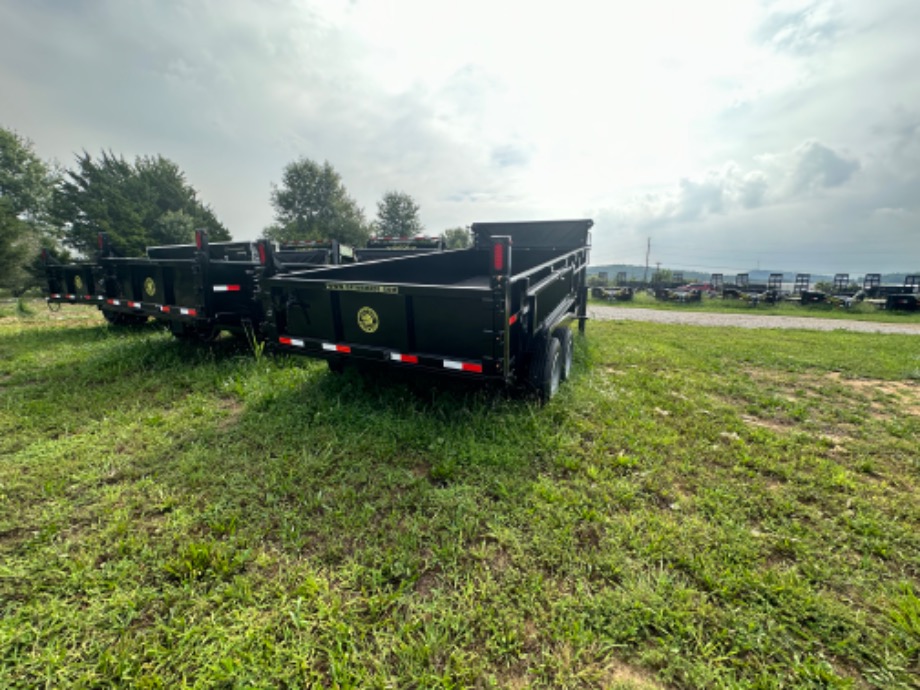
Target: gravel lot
(696, 318)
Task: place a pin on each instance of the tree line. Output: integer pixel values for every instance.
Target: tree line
(149, 202)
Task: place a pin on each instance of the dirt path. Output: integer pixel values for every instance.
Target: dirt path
(697, 318)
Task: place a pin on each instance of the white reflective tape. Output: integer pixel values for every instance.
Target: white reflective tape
(295, 341)
(449, 364)
(183, 311)
(135, 305)
(396, 357)
(329, 347)
(221, 288)
(116, 302)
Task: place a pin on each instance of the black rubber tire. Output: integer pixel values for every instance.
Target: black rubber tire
(113, 317)
(546, 368)
(567, 341)
(117, 318)
(202, 334)
(135, 319)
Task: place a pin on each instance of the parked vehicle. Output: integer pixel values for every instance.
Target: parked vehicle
(498, 311)
(198, 290)
(392, 247)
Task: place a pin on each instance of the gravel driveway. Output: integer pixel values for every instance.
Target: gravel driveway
(698, 318)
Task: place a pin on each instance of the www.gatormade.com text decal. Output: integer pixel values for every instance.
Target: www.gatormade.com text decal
(359, 287)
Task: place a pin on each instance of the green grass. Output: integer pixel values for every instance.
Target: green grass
(859, 312)
(698, 507)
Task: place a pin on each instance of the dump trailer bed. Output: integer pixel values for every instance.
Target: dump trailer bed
(490, 311)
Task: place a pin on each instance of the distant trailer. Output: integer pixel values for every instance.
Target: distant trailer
(198, 290)
(393, 247)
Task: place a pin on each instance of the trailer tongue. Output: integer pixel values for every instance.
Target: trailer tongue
(498, 311)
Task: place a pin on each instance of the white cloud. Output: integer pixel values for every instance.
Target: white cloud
(685, 118)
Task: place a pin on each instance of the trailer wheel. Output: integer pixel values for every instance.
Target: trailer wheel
(546, 369)
(564, 335)
(201, 334)
(119, 319)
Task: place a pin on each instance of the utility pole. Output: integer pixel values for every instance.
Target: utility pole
(648, 250)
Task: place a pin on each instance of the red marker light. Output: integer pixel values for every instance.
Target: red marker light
(198, 239)
(263, 259)
(498, 257)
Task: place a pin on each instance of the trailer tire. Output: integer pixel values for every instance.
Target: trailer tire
(201, 334)
(546, 368)
(117, 318)
(564, 335)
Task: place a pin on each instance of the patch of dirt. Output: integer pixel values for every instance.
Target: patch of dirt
(906, 394)
(770, 424)
(426, 583)
(620, 675)
(233, 409)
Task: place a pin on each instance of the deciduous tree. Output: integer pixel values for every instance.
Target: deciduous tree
(26, 184)
(397, 216)
(311, 203)
(457, 238)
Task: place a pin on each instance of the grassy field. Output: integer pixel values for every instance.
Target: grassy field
(697, 508)
(859, 312)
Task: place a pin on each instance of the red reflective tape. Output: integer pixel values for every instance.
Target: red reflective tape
(406, 359)
(284, 341)
(110, 301)
(87, 296)
(474, 368)
(343, 348)
(164, 309)
(513, 320)
(233, 288)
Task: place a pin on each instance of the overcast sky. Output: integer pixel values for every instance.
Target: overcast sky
(733, 133)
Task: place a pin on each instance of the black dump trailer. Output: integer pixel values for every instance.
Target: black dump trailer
(392, 247)
(498, 311)
(198, 290)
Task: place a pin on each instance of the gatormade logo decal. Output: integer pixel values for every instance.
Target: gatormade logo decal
(78, 282)
(150, 287)
(358, 287)
(368, 319)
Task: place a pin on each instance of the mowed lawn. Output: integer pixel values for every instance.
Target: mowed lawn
(697, 508)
